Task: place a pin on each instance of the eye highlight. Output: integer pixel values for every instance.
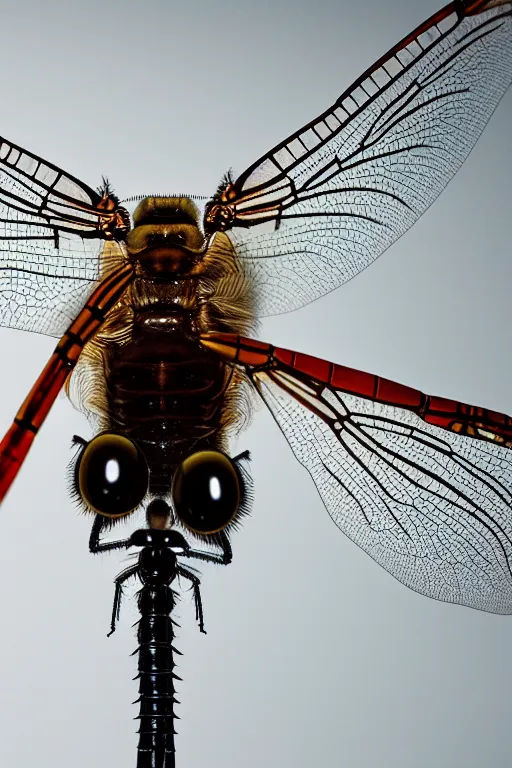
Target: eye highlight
(111, 475)
(207, 491)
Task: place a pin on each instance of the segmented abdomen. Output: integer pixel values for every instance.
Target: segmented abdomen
(156, 677)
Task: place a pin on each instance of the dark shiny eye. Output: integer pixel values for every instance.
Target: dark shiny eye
(206, 492)
(112, 475)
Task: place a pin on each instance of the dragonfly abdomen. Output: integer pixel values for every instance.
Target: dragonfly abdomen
(156, 666)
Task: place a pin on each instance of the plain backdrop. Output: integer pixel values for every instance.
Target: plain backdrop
(314, 656)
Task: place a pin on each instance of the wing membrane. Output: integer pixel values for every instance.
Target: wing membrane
(422, 484)
(430, 506)
(340, 191)
(52, 232)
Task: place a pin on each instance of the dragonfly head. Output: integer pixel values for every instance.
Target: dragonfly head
(166, 240)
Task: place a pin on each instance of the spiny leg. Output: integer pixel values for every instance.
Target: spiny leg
(213, 557)
(116, 608)
(95, 545)
(187, 574)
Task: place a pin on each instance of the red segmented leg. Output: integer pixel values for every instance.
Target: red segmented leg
(17, 441)
(471, 420)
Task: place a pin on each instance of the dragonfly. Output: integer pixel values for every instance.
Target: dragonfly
(419, 482)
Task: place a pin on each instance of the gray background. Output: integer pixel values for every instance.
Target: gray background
(314, 655)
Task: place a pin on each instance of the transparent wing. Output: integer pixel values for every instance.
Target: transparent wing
(423, 484)
(433, 507)
(337, 193)
(52, 232)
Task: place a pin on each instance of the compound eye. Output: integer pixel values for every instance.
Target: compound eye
(112, 475)
(206, 492)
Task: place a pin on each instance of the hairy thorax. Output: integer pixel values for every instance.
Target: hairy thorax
(145, 373)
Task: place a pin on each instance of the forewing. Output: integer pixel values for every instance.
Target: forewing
(341, 190)
(52, 232)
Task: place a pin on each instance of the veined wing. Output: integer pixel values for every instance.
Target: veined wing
(52, 231)
(341, 190)
(423, 484)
